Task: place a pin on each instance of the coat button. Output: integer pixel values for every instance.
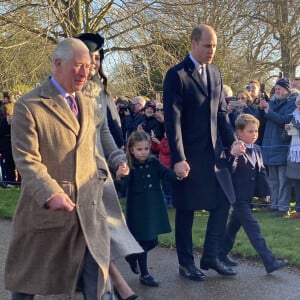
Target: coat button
(148, 175)
(150, 185)
(147, 166)
(94, 202)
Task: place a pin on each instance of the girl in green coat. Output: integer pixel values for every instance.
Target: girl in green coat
(146, 212)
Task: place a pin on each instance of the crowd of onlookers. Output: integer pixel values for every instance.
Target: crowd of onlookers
(274, 109)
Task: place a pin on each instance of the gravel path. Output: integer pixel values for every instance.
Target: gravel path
(251, 282)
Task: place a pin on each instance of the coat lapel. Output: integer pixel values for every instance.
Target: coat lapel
(51, 98)
(86, 114)
(196, 76)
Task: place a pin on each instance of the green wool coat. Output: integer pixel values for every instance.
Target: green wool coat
(146, 212)
(55, 154)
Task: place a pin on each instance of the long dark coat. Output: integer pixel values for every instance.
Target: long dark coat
(146, 212)
(55, 154)
(197, 127)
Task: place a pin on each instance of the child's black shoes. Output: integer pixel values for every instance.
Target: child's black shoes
(276, 265)
(148, 280)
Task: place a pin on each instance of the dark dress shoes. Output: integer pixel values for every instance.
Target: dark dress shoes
(215, 264)
(132, 260)
(276, 265)
(148, 280)
(228, 261)
(191, 272)
(131, 297)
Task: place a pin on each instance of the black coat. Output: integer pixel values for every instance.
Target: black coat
(249, 176)
(196, 119)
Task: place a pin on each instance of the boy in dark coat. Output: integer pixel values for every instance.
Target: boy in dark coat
(249, 179)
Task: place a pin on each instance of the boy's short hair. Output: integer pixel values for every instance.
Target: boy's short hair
(245, 119)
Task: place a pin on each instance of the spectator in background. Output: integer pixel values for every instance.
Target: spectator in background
(254, 90)
(122, 104)
(243, 104)
(227, 91)
(149, 123)
(276, 113)
(10, 175)
(293, 161)
(134, 117)
(163, 149)
(296, 84)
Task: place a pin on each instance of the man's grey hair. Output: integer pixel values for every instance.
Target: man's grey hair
(64, 50)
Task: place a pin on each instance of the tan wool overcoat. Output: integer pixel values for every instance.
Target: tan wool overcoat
(55, 153)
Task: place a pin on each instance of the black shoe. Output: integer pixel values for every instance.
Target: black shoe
(131, 297)
(148, 280)
(215, 264)
(132, 260)
(276, 265)
(228, 261)
(191, 272)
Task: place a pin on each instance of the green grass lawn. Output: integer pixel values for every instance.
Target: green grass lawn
(282, 235)
(8, 201)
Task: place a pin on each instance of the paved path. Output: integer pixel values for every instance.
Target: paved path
(251, 283)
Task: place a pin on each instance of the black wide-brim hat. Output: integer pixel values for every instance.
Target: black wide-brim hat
(94, 41)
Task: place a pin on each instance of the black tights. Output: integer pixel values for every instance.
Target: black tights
(142, 257)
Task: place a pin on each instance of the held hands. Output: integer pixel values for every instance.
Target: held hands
(237, 148)
(61, 201)
(182, 169)
(122, 170)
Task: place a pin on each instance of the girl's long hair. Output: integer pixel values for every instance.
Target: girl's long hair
(135, 137)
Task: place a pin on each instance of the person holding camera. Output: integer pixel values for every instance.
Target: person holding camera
(150, 124)
(276, 113)
(239, 104)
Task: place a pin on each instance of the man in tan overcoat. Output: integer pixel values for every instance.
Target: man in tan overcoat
(59, 236)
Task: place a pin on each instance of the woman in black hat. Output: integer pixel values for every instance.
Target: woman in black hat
(122, 242)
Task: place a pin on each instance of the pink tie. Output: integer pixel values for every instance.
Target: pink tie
(73, 105)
